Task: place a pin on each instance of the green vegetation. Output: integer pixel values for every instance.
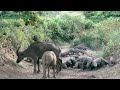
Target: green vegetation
(94, 29)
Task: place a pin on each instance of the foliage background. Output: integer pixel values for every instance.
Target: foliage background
(98, 30)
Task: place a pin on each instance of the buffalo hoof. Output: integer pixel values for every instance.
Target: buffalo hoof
(2, 65)
(44, 77)
(75, 67)
(54, 76)
(56, 72)
(34, 72)
(38, 71)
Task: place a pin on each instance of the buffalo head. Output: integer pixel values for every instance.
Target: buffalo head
(20, 55)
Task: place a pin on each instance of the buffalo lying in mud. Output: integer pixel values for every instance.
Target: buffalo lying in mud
(35, 52)
(90, 63)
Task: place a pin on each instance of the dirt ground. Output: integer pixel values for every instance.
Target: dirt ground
(10, 71)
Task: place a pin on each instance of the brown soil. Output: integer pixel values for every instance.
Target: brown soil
(10, 70)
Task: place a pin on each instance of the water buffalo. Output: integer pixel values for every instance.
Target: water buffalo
(49, 59)
(65, 54)
(73, 62)
(78, 65)
(76, 51)
(68, 63)
(81, 47)
(72, 51)
(64, 66)
(98, 62)
(35, 52)
(85, 62)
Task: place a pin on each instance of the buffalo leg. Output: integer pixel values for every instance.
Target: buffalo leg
(38, 66)
(88, 64)
(35, 66)
(56, 67)
(59, 65)
(83, 66)
(44, 71)
(48, 72)
(53, 71)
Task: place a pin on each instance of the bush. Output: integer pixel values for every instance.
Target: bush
(62, 28)
(96, 29)
(91, 38)
(88, 24)
(98, 16)
(113, 42)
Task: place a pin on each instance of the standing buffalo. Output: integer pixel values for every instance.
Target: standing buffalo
(49, 59)
(35, 52)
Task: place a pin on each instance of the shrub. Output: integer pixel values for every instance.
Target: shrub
(113, 42)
